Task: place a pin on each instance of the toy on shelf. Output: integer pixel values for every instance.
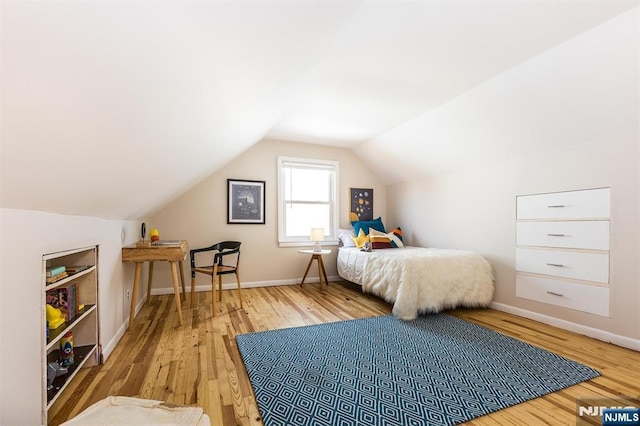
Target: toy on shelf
(66, 350)
(55, 317)
(154, 234)
(54, 370)
(64, 298)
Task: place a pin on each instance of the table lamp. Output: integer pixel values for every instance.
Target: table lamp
(317, 235)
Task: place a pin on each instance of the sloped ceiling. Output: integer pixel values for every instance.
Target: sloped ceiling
(113, 109)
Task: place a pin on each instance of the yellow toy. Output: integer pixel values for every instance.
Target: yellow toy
(154, 234)
(55, 317)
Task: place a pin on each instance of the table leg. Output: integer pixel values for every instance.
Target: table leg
(176, 289)
(149, 282)
(134, 295)
(182, 281)
(319, 259)
(324, 272)
(307, 271)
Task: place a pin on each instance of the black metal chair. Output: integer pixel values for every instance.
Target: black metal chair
(218, 268)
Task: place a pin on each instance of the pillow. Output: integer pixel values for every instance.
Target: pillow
(380, 240)
(346, 237)
(367, 225)
(360, 239)
(397, 232)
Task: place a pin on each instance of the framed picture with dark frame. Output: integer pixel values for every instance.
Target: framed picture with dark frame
(361, 204)
(245, 201)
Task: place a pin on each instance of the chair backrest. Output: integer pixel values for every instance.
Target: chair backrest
(226, 245)
(226, 248)
(222, 249)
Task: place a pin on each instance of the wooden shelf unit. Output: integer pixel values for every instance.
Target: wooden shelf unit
(84, 325)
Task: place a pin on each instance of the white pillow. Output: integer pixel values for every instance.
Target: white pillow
(344, 235)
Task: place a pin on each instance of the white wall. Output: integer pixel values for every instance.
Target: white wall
(566, 119)
(24, 237)
(200, 215)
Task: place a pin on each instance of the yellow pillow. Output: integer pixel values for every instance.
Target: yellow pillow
(360, 239)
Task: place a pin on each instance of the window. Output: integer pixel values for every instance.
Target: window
(307, 198)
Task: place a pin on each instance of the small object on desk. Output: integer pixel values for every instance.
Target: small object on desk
(140, 244)
(321, 271)
(154, 235)
(166, 243)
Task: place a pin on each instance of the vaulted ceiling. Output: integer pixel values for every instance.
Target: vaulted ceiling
(101, 98)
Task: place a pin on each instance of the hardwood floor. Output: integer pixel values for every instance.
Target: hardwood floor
(199, 363)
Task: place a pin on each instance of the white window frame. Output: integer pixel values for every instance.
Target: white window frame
(330, 234)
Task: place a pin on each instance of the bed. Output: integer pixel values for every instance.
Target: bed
(419, 280)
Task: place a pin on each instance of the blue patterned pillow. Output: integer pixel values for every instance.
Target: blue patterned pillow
(365, 225)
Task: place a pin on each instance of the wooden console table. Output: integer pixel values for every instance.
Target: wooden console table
(174, 254)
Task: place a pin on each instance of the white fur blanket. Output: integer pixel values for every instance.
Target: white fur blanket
(419, 280)
(124, 410)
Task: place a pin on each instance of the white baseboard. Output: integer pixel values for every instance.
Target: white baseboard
(605, 336)
(109, 347)
(252, 284)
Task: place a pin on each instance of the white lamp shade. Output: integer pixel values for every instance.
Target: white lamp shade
(317, 234)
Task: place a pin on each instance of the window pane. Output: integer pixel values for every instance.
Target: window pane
(307, 184)
(306, 198)
(300, 218)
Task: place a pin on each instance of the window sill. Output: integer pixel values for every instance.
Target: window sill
(306, 243)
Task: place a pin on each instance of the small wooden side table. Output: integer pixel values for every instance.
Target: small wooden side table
(315, 255)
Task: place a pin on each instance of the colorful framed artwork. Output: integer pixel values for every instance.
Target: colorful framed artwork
(245, 201)
(361, 204)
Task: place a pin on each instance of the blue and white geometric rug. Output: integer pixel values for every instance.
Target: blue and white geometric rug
(435, 370)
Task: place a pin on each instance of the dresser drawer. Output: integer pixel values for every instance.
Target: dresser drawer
(581, 297)
(592, 234)
(566, 264)
(586, 204)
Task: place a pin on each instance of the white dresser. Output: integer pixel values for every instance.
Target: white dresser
(562, 249)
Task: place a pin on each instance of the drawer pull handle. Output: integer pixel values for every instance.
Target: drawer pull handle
(556, 264)
(555, 235)
(554, 294)
(556, 206)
